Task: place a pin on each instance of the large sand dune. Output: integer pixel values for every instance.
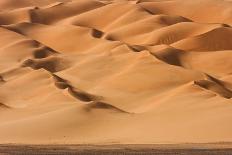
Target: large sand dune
(115, 71)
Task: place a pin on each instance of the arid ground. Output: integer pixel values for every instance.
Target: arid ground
(115, 72)
(183, 149)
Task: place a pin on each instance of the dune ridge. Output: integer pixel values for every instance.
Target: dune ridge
(115, 71)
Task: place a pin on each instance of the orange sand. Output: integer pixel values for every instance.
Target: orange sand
(115, 71)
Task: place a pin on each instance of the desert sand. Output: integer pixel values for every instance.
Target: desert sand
(115, 71)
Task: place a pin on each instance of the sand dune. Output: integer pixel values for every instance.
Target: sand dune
(115, 71)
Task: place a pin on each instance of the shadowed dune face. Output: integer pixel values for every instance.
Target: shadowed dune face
(115, 71)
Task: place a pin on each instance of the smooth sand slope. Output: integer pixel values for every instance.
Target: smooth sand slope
(115, 71)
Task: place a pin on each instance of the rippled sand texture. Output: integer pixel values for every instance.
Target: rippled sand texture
(115, 71)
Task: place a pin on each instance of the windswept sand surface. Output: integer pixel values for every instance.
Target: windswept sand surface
(115, 71)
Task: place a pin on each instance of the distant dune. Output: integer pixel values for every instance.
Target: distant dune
(115, 71)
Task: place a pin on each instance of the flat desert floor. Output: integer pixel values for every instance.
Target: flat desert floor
(115, 72)
(183, 149)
